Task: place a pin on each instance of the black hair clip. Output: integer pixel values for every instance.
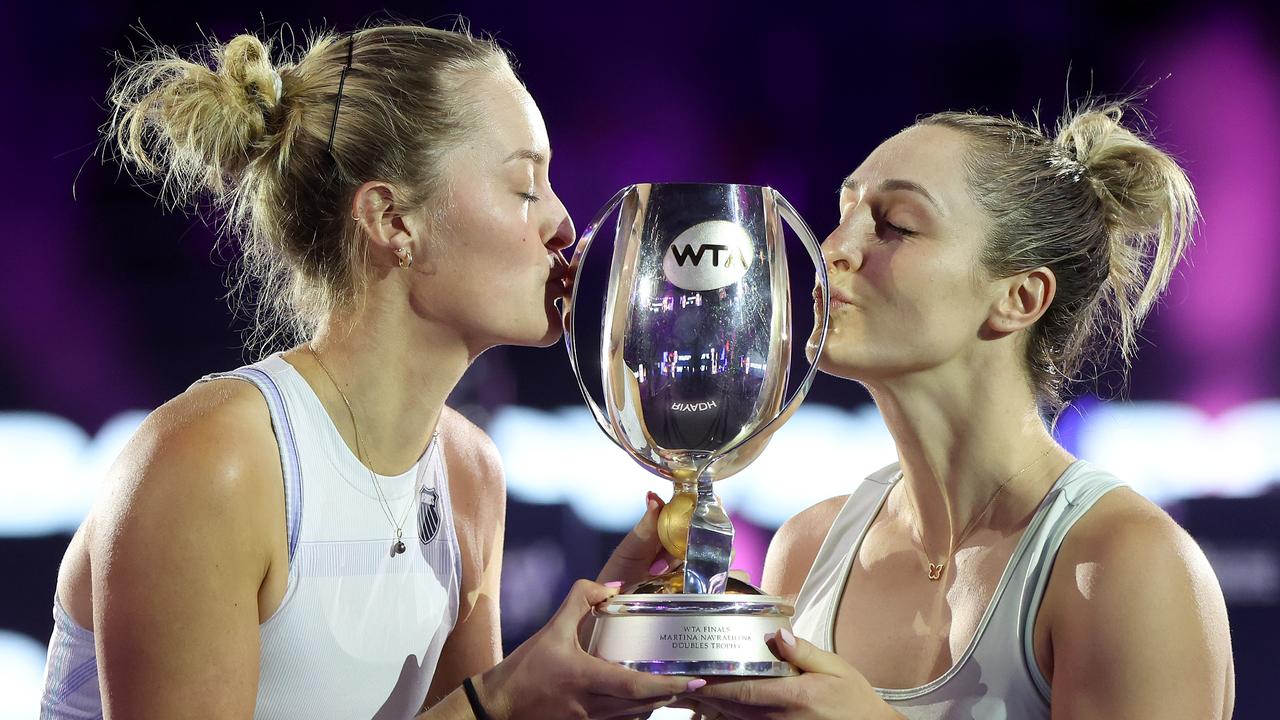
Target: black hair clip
(342, 81)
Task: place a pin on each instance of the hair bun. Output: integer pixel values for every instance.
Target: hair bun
(1084, 133)
(1135, 181)
(194, 126)
(247, 65)
(1148, 203)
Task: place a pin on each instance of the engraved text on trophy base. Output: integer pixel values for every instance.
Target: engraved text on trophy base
(622, 638)
(705, 637)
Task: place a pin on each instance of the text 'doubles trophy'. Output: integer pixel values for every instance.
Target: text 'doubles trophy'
(695, 353)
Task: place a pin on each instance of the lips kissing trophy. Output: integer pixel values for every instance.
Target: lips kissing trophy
(694, 358)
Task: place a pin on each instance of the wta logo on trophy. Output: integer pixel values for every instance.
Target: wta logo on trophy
(708, 256)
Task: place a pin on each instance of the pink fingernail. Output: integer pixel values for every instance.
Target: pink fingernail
(652, 501)
(615, 584)
(695, 684)
(787, 637)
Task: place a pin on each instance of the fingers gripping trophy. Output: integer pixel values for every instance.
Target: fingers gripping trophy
(694, 358)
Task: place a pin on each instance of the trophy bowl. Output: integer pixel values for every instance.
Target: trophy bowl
(695, 352)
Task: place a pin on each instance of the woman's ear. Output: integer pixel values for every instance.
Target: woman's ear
(376, 209)
(1023, 299)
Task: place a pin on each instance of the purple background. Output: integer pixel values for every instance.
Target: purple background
(111, 303)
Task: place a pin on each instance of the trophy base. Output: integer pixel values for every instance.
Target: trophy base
(713, 668)
(687, 634)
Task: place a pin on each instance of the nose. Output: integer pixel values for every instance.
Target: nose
(842, 249)
(563, 236)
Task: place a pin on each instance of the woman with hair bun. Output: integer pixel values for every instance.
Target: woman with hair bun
(316, 534)
(979, 266)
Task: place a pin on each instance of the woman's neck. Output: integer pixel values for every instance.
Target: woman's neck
(960, 437)
(395, 370)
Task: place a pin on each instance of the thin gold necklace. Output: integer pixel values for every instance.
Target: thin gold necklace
(935, 570)
(397, 547)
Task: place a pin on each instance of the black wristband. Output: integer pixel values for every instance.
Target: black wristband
(474, 699)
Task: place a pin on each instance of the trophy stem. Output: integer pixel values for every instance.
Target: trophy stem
(710, 544)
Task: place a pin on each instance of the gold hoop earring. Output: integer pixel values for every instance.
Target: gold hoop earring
(404, 257)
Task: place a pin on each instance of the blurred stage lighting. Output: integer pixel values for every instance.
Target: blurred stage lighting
(50, 469)
(21, 676)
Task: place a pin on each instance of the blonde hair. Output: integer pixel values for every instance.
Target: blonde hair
(1106, 210)
(252, 136)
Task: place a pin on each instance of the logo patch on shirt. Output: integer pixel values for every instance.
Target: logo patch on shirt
(428, 515)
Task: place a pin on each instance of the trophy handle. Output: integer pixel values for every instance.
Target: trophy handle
(570, 318)
(810, 241)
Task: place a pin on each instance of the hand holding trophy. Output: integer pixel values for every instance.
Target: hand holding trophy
(694, 358)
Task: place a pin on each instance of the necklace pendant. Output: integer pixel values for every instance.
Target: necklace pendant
(398, 548)
(935, 571)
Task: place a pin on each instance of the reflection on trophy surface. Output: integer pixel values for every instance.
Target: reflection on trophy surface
(695, 352)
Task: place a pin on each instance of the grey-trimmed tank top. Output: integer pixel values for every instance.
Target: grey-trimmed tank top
(996, 677)
(358, 633)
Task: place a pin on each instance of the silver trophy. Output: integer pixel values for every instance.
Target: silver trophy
(694, 358)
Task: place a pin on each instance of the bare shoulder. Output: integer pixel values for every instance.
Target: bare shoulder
(207, 457)
(795, 546)
(471, 453)
(476, 486)
(1137, 615)
(220, 431)
(1124, 535)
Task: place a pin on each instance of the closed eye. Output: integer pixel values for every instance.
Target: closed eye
(883, 226)
(531, 197)
(905, 232)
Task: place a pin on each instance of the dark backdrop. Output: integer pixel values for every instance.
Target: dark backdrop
(111, 304)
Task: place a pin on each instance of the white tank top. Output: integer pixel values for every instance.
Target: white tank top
(996, 677)
(358, 632)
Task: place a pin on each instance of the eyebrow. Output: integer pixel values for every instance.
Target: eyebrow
(538, 158)
(896, 184)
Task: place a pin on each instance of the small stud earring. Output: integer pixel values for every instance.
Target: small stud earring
(404, 257)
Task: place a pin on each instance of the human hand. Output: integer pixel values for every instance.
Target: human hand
(551, 676)
(640, 550)
(828, 688)
(631, 561)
